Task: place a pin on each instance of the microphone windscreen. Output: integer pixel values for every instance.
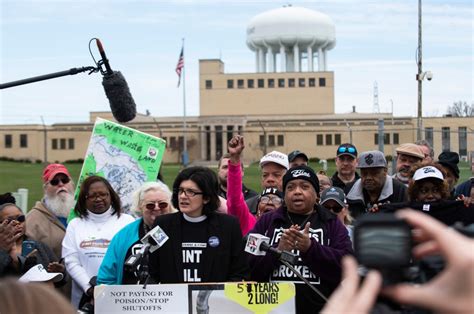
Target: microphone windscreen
(121, 102)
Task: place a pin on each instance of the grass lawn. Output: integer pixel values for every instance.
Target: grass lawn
(15, 175)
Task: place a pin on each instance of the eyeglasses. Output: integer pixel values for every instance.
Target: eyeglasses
(152, 205)
(98, 195)
(274, 200)
(20, 218)
(334, 209)
(345, 149)
(188, 192)
(55, 182)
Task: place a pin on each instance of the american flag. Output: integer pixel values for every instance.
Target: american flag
(180, 65)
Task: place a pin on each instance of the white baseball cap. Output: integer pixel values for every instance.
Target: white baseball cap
(38, 273)
(275, 157)
(428, 172)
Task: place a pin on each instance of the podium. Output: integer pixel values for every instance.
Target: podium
(235, 297)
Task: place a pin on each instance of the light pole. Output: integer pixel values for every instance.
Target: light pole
(418, 77)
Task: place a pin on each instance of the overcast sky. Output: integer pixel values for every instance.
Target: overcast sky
(376, 41)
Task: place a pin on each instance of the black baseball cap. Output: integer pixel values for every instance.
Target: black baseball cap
(297, 153)
(346, 149)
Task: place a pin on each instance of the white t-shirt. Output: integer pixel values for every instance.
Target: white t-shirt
(85, 244)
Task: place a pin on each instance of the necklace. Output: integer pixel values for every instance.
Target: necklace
(304, 222)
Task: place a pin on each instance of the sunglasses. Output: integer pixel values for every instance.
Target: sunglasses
(152, 205)
(267, 200)
(20, 218)
(334, 209)
(55, 182)
(344, 149)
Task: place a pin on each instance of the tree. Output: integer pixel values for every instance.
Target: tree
(461, 109)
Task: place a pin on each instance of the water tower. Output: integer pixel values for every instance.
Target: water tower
(293, 33)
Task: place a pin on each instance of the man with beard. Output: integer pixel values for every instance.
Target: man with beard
(346, 163)
(408, 154)
(47, 220)
(375, 187)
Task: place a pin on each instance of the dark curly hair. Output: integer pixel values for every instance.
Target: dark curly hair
(7, 198)
(81, 209)
(206, 180)
(414, 186)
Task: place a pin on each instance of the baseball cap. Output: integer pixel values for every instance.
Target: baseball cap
(268, 191)
(410, 149)
(38, 273)
(334, 193)
(347, 149)
(372, 159)
(303, 173)
(275, 157)
(53, 169)
(297, 153)
(450, 160)
(428, 172)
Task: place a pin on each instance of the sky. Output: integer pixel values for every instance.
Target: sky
(376, 42)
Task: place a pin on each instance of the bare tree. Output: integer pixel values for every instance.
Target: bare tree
(461, 109)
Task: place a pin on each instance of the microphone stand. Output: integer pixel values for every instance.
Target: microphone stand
(144, 273)
(72, 71)
(297, 273)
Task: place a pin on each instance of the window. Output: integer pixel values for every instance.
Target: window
(386, 138)
(70, 143)
(261, 83)
(164, 138)
(8, 141)
(271, 140)
(322, 81)
(230, 83)
(462, 140)
(54, 143)
(281, 82)
(62, 143)
(337, 139)
(291, 82)
(23, 140)
(173, 142)
(271, 83)
(396, 138)
(301, 82)
(445, 139)
(240, 84)
(280, 140)
(180, 141)
(262, 140)
(230, 132)
(250, 83)
(429, 136)
(312, 82)
(319, 139)
(208, 84)
(328, 139)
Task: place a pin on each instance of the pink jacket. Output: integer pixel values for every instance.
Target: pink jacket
(236, 205)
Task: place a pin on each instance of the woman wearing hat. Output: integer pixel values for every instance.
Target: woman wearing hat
(308, 230)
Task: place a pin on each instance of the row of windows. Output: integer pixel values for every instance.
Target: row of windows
(280, 140)
(175, 142)
(60, 143)
(23, 140)
(271, 83)
(327, 139)
(386, 139)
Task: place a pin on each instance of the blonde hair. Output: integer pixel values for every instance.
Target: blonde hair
(150, 186)
(17, 297)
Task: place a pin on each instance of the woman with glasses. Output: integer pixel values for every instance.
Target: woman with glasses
(25, 253)
(99, 218)
(151, 200)
(203, 245)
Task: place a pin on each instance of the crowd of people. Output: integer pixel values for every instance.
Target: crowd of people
(207, 217)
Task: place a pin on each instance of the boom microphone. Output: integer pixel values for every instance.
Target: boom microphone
(116, 89)
(259, 245)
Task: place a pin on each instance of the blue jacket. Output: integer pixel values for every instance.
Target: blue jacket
(111, 269)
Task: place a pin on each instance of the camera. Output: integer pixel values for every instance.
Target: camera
(383, 242)
(429, 75)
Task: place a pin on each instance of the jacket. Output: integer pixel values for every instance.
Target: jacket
(42, 225)
(465, 187)
(329, 243)
(337, 182)
(393, 191)
(111, 268)
(236, 205)
(222, 262)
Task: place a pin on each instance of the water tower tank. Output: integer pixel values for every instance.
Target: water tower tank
(294, 33)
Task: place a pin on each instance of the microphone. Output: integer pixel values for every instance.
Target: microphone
(116, 89)
(259, 245)
(155, 239)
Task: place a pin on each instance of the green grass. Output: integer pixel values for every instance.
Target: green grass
(15, 175)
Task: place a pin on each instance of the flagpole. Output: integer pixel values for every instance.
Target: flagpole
(185, 148)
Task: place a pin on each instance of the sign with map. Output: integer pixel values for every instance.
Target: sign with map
(125, 157)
